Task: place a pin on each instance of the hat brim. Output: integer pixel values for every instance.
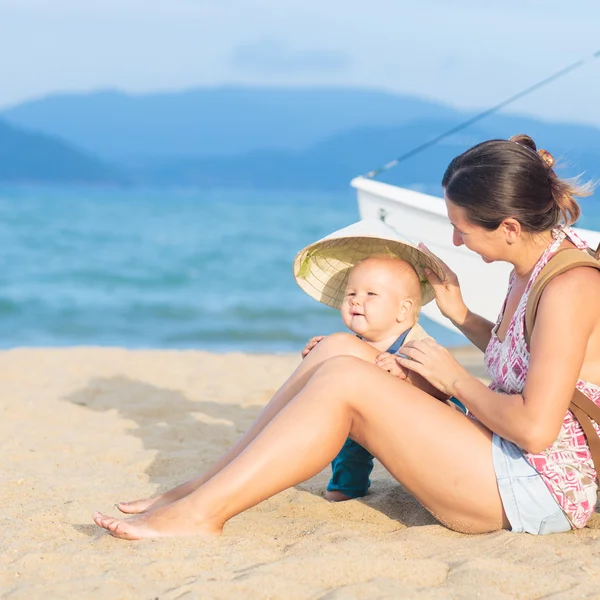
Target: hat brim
(322, 269)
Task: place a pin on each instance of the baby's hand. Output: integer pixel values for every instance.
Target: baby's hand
(311, 344)
(388, 363)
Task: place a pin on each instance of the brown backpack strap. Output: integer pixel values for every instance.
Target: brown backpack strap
(586, 411)
(583, 409)
(561, 262)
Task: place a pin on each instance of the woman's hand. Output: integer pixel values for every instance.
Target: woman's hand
(434, 363)
(448, 296)
(388, 363)
(311, 344)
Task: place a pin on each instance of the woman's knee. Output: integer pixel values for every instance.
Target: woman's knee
(340, 344)
(339, 339)
(343, 366)
(344, 376)
(338, 379)
(336, 376)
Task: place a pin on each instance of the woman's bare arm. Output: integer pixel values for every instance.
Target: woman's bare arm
(449, 300)
(477, 329)
(567, 316)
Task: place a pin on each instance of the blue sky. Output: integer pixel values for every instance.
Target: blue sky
(464, 52)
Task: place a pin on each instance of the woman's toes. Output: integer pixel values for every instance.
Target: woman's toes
(99, 519)
(133, 507)
(105, 521)
(121, 529)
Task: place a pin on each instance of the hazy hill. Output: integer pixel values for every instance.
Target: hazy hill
(209, 122)
(267, 137)
(333, 162)
(27, 157)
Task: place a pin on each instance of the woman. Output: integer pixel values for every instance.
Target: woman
(521, 463)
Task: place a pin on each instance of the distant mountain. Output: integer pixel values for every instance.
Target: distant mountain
(210, 122)
(268, 138)
(27, 157)
(332, 163)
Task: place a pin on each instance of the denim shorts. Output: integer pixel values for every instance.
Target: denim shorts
(527, 501)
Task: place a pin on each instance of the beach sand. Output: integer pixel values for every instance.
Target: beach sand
(83, 428)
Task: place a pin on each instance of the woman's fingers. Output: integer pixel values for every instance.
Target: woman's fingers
(433, 362)
(435, 282)
(424, 352)
(411, 365)
(434, 256)
(415, 350)
(449, 274)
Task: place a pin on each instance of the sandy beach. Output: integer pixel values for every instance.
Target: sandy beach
(83, 428)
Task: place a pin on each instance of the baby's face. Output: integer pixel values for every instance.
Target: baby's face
(376, 298)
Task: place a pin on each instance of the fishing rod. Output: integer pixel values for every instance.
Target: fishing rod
(484, 114)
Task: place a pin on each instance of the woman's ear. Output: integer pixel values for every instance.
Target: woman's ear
(511, 228)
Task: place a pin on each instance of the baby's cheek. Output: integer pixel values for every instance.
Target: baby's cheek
(346, 316)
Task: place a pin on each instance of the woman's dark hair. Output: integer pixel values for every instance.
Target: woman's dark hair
(502, 179)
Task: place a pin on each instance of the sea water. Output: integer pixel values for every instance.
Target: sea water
(205, 269)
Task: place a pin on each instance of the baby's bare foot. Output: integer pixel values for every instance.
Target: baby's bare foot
(335, 496)
(174, 520)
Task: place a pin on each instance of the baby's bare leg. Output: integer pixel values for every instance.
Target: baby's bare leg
(337, 344)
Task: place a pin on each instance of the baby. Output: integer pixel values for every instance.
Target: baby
(381, 305)
(376, 279)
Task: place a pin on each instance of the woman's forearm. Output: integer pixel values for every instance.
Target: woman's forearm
(504, 414)
(477, 329)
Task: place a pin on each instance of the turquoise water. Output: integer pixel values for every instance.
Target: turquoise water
(167, 269)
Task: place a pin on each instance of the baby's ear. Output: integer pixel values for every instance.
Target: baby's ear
(405, 310)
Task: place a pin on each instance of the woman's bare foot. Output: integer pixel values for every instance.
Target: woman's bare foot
(174, 520)
(136, 507)
(335, 496)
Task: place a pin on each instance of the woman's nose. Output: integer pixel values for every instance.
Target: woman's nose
(457, 238)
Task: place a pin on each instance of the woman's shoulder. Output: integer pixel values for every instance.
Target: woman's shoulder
(579, 281)
(575, 279)
(574, 292)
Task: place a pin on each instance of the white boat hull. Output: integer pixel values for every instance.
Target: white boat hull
(422, 218)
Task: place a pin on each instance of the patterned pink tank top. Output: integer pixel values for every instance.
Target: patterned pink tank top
(566, 466)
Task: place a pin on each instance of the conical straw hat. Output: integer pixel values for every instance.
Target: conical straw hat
(322, 269)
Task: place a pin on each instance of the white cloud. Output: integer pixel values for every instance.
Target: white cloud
(467, 53)
(275, 57)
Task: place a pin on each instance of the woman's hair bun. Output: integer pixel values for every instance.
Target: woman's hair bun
(546, 157)
(524, 140)
(527, 142)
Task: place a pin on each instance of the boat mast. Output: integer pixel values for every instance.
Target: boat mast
(485, 113)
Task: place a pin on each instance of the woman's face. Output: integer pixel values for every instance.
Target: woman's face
(490, 245)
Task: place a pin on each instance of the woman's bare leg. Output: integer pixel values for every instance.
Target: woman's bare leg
(443, 458)
(333, 345)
